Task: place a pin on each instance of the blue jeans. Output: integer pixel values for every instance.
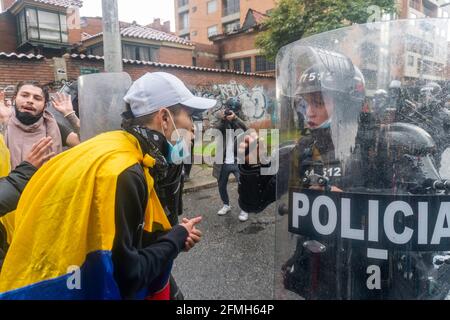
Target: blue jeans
(227, 169)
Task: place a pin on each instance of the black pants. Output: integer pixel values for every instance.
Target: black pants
(227, 169)
(187, 167)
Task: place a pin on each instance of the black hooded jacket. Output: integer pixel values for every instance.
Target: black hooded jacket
(11, 188)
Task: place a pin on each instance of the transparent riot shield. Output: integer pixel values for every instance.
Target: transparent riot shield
(363, 210)
(101, 102)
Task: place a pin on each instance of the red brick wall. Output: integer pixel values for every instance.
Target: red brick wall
(14, 70)
(91, 25)
(94, 25)
(206, 55)
(200, 47)
(8, 38)
(220, 85)
(74, 36)
(156, 24)
(175, 56)
(206, 61)
(191, 77)
(241, 42)
(201, 78)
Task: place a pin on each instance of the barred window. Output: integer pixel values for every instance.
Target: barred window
(247, 65)
(142, 53)
(226, 65)
(263, 65)
(237, 65)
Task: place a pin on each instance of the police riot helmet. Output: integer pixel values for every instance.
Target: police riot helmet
(406, 151)
(432, 88)
(332, 73)
(381, 93)
(430, 92)
(395, 84)
(380, 99)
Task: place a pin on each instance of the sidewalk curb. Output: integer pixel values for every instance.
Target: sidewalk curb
(206, 185)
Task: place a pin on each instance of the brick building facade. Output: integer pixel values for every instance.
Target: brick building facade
(257, 92)
(198, 20)
(237, 50)
(19, 34)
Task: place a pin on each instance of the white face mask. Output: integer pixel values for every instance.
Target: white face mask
(178, 151)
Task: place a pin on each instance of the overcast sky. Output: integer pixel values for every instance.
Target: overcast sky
(141, 11)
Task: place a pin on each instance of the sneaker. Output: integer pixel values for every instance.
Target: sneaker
(224, 210)
(243, 216)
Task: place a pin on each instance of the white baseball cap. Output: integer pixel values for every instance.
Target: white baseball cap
(157, 90)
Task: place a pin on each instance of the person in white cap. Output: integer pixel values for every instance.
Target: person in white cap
(172, 146)
(121, 239)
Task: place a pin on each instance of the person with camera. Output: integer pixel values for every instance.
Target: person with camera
(229, 119)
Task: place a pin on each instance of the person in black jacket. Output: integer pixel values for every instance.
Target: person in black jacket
(12, 185)
(310, 163)
(143, 247)
(160, 110)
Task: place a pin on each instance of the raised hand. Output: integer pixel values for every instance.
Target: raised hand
(40, 152)
(63, 103)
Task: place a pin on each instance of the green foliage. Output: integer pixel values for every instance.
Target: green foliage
(292, 20)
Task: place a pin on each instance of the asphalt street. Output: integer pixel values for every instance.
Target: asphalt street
(234, 260)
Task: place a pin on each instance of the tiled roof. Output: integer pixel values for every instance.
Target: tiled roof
(20, 56)
(85, 36)
(259, 17)
(59, 3)
(167, 65)
(141, 32)
(253, 18)
(63, 3)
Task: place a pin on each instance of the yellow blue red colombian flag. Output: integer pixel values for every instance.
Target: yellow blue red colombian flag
(65, 221)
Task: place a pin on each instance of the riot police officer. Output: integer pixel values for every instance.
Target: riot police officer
(341, 149)
(334, 95)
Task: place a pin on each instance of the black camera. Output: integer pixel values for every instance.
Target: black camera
(228, 112)
(232, 105)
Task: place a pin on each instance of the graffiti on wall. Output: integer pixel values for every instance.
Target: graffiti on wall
(257, 103)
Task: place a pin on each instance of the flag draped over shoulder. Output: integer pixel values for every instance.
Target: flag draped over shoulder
(65, 222)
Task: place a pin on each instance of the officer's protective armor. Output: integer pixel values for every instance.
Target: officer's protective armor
(367, 149)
